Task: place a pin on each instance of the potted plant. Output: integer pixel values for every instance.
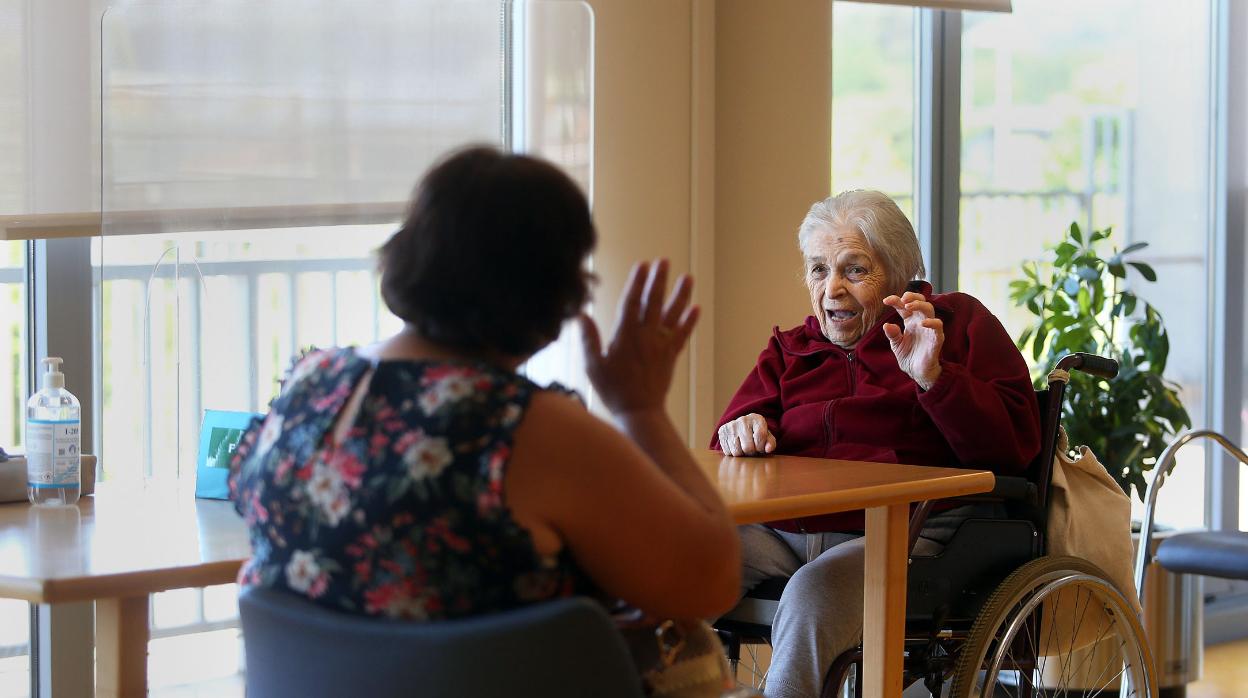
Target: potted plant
(1080, 303)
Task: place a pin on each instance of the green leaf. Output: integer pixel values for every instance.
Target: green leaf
(1128, 300)
(1061, 322)
(1133, 247)
(1038, 343)
(1145, 270)
(1026, 335)
(1117, 270)
(1075, 233)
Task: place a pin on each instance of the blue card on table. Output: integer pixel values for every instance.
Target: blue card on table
(218, 437)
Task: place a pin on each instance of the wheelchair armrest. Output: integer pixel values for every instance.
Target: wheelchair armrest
(1012, 489)
(1017, 491)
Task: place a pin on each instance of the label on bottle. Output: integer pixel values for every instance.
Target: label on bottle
(52, 458)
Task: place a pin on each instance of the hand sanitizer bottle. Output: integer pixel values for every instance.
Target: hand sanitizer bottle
(53, 441)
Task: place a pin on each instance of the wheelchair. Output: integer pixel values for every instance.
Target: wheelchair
(992, 614)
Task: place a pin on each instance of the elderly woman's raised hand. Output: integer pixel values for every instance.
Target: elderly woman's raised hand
(747, 435)
(635, 371)
(917, 345)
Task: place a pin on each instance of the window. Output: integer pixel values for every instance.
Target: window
(214, 326)
(1066, 111)
(873, 100)
(233, 241)
(1069, 113)
(247, 184)
(14, 615)
(13, 341)
(253, 158)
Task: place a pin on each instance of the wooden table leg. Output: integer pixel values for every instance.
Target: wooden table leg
(121, 635)
(884, 600)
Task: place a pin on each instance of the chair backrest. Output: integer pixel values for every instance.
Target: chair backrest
(559, 649)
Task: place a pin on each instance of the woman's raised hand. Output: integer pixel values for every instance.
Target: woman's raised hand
(635, 371)
(917, 346)
(747, 435)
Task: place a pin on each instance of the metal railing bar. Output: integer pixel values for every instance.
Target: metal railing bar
(115, 272)
(194, 628)
(253, 332)
(333, 307)
(293, 321)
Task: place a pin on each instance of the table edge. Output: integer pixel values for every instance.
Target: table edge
(118, 585)
(837, 501)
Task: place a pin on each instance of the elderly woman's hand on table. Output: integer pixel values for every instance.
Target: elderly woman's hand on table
(747, 435)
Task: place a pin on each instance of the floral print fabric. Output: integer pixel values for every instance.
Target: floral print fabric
(405, 517)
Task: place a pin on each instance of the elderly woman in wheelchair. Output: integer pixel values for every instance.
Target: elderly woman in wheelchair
(882, 371)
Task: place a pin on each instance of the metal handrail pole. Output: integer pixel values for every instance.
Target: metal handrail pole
(1164, 467)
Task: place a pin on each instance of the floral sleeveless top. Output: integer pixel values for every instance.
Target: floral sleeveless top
(405, 517)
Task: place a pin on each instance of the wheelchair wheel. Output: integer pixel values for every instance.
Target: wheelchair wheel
(1055, 626)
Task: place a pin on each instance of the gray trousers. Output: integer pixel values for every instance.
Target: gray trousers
(820, 612)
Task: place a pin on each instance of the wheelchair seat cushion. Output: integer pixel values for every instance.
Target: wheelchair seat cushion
(1212, 553)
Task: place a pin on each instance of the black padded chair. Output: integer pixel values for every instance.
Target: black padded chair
(960, 598)
(566, 648)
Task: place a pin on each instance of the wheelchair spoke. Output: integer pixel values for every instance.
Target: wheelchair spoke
(1048, 642)
(1116, 679)
(757, 678)
(1123, 665)
(1069, 656)
(1091, 653)
(1032, 654)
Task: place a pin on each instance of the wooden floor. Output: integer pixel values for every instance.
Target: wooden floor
(1226, 672)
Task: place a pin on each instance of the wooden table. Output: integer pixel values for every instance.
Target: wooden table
(783, 487)
(117, 551)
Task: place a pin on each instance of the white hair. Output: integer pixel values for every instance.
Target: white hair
(886, 228)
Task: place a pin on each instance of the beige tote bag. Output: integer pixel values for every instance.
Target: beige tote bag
(1090, 518)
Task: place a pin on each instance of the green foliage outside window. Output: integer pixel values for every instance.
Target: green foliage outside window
(1080, 303)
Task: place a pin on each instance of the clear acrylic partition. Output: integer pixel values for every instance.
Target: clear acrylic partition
(254, 157)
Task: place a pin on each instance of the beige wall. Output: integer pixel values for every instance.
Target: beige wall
(710, 158)
(642, 180)
(773, 139)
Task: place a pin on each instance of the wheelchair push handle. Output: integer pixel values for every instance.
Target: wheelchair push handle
(1100, 366)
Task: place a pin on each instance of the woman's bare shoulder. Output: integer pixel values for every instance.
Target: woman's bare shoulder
(556, 421)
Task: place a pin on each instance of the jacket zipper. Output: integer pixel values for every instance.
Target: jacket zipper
(851, 366)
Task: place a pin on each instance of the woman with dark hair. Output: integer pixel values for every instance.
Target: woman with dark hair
(424, 478)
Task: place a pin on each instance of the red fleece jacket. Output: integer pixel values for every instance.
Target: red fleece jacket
(823, 401)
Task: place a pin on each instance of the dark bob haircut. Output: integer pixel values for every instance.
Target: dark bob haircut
(490, 258)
